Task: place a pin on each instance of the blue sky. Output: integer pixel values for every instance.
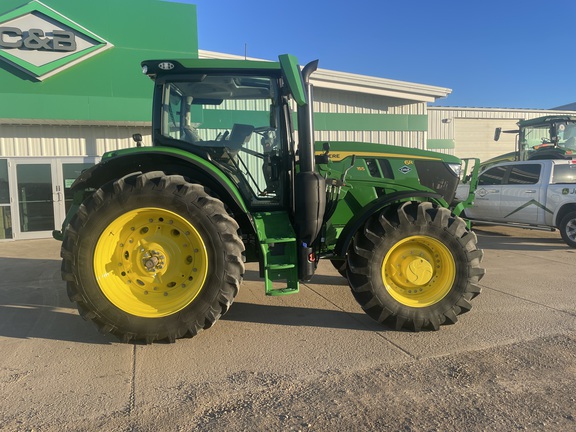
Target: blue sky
(500, 54)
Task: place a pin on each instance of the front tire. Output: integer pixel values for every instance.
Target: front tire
(568, 229)
(151, 257)
(415, 266)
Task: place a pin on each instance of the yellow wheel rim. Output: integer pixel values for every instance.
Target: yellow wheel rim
(150, 262)
(418, 271)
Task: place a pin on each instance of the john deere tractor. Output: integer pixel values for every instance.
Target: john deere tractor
(155, 245)
(548, 137)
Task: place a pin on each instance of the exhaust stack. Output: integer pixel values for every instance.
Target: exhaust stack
(310, 187)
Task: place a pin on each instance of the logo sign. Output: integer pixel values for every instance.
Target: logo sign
(166, 66)
(404, 169)
(42, 42)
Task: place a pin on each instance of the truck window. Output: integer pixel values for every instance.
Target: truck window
(492, 176)
(564, 174)
(524, 174)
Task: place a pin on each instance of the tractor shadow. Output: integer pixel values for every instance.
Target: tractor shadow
(318, 290)
(296, 316)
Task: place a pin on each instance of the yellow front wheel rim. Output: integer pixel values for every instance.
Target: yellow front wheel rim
(418, 271)
(150, 262)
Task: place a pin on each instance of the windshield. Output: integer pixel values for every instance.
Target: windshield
(562, 134)
(234, 119)
(535, 136)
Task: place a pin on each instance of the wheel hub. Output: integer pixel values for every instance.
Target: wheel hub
(153, 260)
(417, 270)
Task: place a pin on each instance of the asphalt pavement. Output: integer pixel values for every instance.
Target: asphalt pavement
(287, 363)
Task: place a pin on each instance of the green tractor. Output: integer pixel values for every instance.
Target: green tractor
(155, 245)
(548, 137)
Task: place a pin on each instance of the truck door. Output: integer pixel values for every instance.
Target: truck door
(520, 199)
(487, 194)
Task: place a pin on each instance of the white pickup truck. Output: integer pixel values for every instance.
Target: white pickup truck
(529, 194)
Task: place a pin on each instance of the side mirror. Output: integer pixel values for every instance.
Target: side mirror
(137, 139)
(497, 133)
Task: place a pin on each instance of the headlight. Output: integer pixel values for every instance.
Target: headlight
(455, 168)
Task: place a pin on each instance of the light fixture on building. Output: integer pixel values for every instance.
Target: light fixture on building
(447, 120)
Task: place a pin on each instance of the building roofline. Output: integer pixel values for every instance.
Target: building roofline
(344, 81)
(531, 110)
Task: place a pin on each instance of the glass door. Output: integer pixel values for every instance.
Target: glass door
(40, 191)
(37, 198)
(5, 214)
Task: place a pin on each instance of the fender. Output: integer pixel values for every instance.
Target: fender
(172, 161)
(561, 212)
(376, 206)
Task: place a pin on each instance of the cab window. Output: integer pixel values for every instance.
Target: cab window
(235, 119)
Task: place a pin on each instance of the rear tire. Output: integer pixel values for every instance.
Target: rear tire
(415, 266)
(568, 229)
(151, 257)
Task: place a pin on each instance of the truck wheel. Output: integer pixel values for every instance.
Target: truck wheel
(151, 257)
(415, 266)
(568, 229)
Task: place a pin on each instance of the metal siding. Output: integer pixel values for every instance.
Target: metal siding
(475, 137)
(66, 140)
(404, 139)
(473, 128)
(333, 101)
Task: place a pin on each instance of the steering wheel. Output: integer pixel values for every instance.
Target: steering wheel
(260, 130)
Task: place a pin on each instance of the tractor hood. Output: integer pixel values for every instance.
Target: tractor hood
(342, 150)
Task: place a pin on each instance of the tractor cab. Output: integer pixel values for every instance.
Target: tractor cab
(549, 137)
(250, 144)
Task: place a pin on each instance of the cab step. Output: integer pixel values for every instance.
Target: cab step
(278, 246)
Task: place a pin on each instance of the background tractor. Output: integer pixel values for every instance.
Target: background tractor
(548, 137)
(155, 244)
